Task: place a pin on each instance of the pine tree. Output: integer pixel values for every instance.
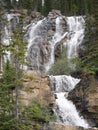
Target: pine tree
(7, 100)
(47, 7)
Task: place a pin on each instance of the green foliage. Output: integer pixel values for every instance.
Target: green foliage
(37, 126)
(18, 48)
(60, 67)
(6, 97)
(65, 66)
(28, 77)
(8, 75)
(76, 64)
(39, 112)
(28, 89)
(90, 54)
(47, 7)
(26, 4)
(67, 7)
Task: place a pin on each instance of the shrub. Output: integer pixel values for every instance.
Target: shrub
(60, 67)
(39, 112)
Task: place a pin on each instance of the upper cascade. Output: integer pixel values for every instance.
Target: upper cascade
(45, 37)
(76, 30)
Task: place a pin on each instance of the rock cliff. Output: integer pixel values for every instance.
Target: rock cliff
(85, 96)
(35, 86)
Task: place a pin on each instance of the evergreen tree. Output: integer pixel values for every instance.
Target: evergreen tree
(7, 100)
(47, 7)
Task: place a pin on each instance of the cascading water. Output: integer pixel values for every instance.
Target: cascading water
(76, 35)
(42, 40)
(64, 109)
(38, 46)
(12, 20)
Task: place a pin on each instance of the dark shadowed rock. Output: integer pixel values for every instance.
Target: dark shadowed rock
(85, 97)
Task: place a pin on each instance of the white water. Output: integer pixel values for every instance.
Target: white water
(65, 110)
(61, 85)
(33, 33)
(6, 38)
(43, 2)
(58, 36)
(7, 33)
(76, 35)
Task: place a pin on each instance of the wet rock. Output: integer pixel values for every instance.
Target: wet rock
(38, 56)
(58, 126)
(43, 38)
(85, 97)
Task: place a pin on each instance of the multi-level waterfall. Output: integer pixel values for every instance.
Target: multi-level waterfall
(43, 36)
(64, 109)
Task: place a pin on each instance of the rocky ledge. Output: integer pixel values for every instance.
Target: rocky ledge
(36, 86)
(85, 97)
(56, 126)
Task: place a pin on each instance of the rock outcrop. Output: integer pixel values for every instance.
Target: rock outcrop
(56, 126)
(35, 86)
(45, 37)
(85, 97)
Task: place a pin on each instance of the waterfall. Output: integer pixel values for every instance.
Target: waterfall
(41, 43)
(64, 109)
(42, 37)
(6, 36)
(57, 37)
(76, 34)
(34, 33)
(43, 2)
(38, 46)
(12, 20)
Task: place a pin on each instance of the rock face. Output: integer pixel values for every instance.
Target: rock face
(56, 126)
(85, 96)
(34, 86)
(45, 37)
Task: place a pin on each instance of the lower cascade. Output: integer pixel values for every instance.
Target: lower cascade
(64, 109)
